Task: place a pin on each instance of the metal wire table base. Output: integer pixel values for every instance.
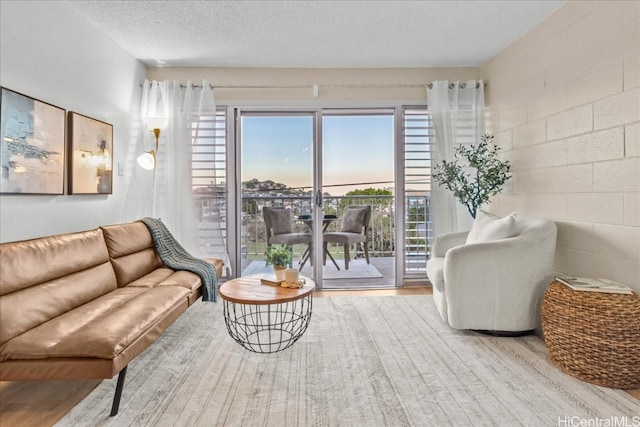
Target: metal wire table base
(268, 328)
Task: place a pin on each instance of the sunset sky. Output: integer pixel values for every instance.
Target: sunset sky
(356, 150)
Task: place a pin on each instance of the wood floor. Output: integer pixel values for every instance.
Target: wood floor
(40, 403)
(407, 290)
(43, 403)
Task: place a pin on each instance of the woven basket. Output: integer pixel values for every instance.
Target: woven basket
(593, 336)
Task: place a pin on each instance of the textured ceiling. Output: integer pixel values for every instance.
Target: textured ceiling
(315, 33)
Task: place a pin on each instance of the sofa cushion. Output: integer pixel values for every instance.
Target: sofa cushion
(167, 277)
(125, 239)
(30, 262)
(131, 250)
(102, 328)
(43, 278)
(488, 227)
(185, 279)
(152, 279)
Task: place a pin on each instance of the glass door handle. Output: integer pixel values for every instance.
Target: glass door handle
(319, 199)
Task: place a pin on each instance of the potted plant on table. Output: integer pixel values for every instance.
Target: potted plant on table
(473, 188)
(280, 257)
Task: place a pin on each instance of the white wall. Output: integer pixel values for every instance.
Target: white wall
(51, 53)
(564, 103)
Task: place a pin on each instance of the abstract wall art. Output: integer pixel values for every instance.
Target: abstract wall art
(32, 145)
(90, 155)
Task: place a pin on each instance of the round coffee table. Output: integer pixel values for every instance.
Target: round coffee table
(265, 318)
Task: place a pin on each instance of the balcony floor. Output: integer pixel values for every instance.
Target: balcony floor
(344, 279)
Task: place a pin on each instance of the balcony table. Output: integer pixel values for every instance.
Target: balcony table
(326, 220)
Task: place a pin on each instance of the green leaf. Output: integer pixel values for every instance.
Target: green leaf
(481, 175)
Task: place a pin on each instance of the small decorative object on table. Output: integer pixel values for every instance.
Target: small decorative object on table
(293, 285)
(271, 281)
(291, 280)
(588, 284)
(280, 257)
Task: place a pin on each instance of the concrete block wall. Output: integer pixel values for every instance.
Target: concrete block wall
(564, 104)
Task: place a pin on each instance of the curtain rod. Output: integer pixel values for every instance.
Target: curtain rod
(341, 86)
(312, 86)
(461, 85)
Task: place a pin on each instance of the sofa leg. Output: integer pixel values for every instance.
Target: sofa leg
(116, 398)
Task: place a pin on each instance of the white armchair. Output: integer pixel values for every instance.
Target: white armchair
(485, 281)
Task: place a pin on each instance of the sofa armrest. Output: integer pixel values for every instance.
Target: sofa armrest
(444, 242)
(218, 265)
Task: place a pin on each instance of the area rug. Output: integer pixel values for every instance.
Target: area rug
(364, 361)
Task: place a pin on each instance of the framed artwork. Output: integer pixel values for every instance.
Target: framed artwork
(32, 145)
(90, 155)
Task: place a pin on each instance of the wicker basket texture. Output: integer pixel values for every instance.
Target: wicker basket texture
(593, 336)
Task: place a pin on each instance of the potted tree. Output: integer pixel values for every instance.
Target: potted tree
(280, 257)
(473, 188)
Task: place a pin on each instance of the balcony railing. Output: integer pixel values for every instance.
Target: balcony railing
(382, 227)
(211, 209)
(381, 238)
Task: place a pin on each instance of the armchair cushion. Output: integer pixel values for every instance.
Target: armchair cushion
(487, 227)
(354, 219)
(280, 221)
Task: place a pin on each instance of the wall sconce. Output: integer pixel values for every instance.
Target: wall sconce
(147, 160)
(154, 115)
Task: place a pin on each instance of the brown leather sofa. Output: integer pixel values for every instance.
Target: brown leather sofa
(83, 305)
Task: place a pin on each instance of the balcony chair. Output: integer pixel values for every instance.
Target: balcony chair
(492, 278)
(353, 229)
(279, 225)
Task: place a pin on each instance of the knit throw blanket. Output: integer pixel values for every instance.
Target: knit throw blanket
(174, 256)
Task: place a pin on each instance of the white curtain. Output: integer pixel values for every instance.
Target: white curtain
(457, 111)
(166, 191)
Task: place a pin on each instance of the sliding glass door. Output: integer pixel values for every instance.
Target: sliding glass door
(246, 160)
(332, 173)
(276, 187)
(359, 205)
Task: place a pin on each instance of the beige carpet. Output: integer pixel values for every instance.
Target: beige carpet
(364, 361)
